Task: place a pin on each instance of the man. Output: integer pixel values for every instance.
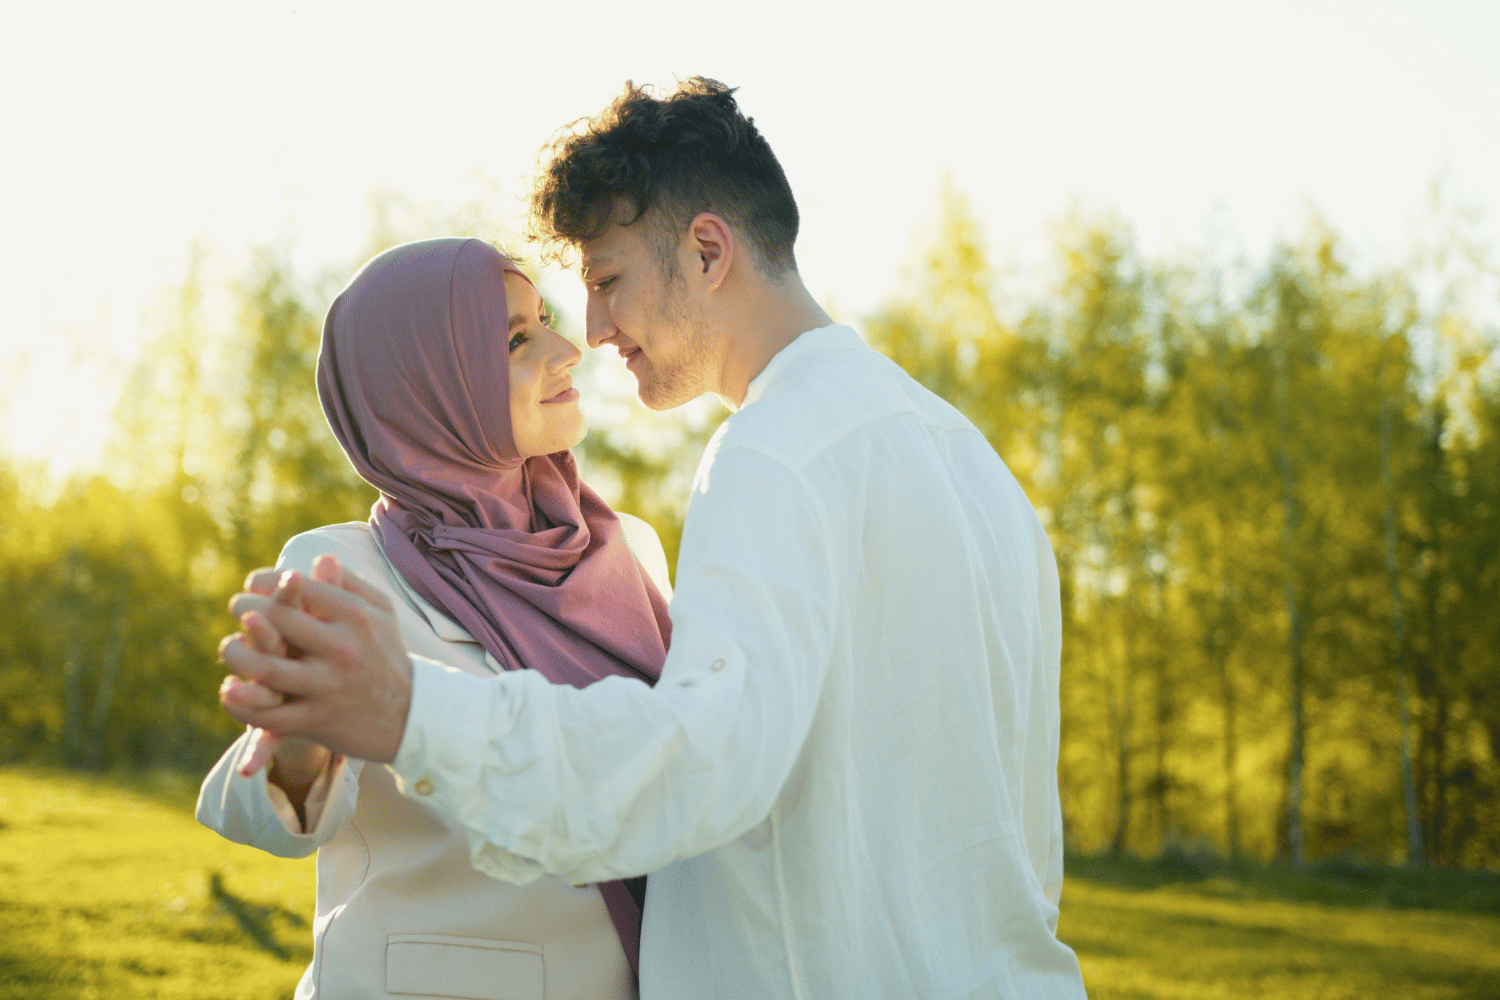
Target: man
(844, 785)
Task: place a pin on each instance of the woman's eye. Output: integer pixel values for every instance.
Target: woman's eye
(518, 340)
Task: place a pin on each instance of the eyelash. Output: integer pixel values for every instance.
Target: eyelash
(600, 286)
(545, 317)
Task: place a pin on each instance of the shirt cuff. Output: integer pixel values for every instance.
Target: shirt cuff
(446, 750)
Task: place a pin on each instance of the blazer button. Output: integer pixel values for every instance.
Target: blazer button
(718, 665)
(423, 786)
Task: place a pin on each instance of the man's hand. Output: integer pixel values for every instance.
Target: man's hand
(351, 688)
(295, 762)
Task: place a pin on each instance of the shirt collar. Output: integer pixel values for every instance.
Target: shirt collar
(821, 339)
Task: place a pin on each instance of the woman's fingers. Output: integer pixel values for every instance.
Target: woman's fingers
(329, 577)
(263, 745)
(326, 569)
(262, 581)
(262, 635)
(289, 677)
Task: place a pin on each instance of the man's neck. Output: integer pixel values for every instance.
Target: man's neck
(766, 321)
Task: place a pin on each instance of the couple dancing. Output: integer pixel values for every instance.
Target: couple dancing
(836, 760)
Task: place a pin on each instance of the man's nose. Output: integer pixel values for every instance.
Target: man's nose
(596, 323)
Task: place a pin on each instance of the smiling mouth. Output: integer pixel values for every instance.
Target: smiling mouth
(566, 396)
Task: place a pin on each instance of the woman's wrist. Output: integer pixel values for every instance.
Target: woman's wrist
(296, 765)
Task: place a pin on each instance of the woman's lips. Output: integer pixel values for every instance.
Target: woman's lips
(568, 395)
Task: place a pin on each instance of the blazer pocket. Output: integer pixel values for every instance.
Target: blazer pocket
(437, 965)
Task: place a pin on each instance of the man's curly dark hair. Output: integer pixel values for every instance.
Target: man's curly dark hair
(668, 159)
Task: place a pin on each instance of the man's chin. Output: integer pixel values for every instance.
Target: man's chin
(654, 396)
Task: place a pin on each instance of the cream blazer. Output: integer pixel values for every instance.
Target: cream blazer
(400, 910)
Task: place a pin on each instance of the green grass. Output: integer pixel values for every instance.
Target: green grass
(109, 889)
(1182, 927)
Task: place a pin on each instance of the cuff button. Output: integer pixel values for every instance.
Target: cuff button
(718, 665)
(423, 786)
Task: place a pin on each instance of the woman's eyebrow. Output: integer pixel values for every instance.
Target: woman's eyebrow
(517, 319)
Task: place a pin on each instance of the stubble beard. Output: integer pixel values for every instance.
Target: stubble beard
(680, 373)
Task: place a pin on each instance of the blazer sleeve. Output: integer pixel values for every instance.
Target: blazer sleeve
(253, 811)
(645, 545)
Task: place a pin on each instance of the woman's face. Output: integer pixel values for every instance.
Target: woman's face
(544, 413)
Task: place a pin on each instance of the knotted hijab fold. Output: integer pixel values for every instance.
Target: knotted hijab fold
(414, 377)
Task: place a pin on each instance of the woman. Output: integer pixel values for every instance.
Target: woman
(450, 394)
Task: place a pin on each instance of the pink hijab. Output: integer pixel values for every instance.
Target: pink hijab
(414, 377)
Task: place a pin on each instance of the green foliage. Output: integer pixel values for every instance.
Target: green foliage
(1273, 492)
(1216, 473)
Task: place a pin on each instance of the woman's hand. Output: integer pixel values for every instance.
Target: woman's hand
(295, 761)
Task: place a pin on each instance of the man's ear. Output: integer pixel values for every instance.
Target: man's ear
(713, 246)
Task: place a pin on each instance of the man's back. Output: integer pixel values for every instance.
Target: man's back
(914, 848)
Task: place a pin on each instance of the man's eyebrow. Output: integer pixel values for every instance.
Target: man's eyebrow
(601, 261)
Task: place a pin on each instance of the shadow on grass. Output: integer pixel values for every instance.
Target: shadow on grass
(1338, 881)
(254, 918)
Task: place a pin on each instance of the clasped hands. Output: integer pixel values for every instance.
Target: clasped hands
(319, 664)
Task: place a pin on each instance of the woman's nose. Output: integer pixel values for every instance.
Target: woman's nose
(563, 354)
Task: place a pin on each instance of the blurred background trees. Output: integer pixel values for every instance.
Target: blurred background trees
(1273, 489)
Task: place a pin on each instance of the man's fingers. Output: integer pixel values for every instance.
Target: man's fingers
(305, 629)
(248, 694)
(292, 719)
(290, 677)
(261, 581)
(263, 744)
(262, 635)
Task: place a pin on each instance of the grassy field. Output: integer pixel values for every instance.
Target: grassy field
(109, 889)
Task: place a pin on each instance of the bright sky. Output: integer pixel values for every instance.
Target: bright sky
(130, 130)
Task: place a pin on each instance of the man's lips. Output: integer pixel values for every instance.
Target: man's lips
(629, 354)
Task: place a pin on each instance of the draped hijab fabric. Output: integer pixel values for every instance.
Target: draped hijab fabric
(414, 378)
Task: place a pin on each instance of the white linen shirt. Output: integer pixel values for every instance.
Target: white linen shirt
(844, 785)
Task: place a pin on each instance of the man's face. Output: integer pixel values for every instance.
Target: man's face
(648, 316)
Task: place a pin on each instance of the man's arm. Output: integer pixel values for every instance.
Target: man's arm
(618, 778)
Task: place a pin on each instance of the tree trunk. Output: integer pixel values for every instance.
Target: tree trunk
(1290, 514)
(109, 669)
(1398, 642)
(1123, 712)
(73, 703)
(1231, 752)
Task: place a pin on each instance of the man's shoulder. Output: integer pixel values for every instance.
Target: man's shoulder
(826, 397)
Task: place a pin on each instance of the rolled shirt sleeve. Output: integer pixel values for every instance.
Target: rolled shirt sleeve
(619, 779)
